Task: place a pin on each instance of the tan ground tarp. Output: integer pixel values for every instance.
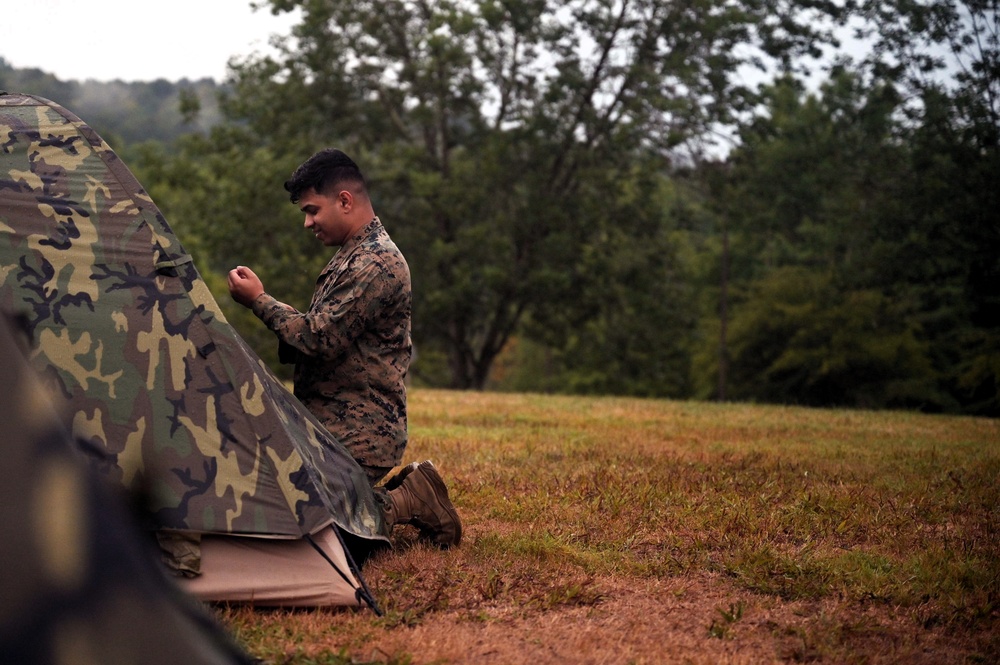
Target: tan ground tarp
(273, 573)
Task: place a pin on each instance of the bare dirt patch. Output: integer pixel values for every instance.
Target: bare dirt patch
(440, 613)
(698, 619)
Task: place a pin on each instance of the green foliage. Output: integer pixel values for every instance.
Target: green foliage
(624, 310)
(798, 339)
(720, 629)
(946, 57)
(491, 140)
(845, 240)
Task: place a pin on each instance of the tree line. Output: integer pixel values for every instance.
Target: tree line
(125, 112)
(712, 199)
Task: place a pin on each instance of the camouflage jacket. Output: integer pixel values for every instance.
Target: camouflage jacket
(353, 346)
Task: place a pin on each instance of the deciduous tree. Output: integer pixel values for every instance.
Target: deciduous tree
(481, 121)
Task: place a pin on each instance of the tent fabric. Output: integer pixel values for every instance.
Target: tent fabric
(272, 573)
(78, 581)
(126, 332)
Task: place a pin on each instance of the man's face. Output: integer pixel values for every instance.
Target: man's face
(325, 217)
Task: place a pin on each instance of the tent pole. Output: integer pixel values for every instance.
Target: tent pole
(362, 593)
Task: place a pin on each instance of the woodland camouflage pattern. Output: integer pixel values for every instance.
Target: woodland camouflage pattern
(79, 582)
(125, 330)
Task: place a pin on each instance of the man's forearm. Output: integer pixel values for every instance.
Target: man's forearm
(270, 310)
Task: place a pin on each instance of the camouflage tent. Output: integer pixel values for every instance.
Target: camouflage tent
(125, 330)
(78, 582)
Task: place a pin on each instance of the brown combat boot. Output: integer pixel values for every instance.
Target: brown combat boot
(398, 479)
(422, 500)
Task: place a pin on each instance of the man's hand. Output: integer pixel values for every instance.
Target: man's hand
(244, 285)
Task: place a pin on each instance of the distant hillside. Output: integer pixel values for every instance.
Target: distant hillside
(127, 112)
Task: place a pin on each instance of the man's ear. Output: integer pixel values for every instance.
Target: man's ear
(346, 200)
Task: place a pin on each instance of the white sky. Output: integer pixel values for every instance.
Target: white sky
(134, 40)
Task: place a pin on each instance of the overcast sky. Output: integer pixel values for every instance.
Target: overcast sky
(133, 40)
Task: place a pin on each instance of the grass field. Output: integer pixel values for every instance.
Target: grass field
(607, 530)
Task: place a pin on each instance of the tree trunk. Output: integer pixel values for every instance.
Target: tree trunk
(723, 315)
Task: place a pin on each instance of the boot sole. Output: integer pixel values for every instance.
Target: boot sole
(398, 479)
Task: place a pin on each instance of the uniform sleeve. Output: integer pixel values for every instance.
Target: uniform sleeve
(333, 322)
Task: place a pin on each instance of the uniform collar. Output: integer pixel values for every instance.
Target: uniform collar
(345, 250)
(363, 233)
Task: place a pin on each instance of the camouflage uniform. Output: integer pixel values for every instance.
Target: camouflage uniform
(352, 348)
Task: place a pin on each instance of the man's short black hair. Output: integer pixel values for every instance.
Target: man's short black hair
(322, 172)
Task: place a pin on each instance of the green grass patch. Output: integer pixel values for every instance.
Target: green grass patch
(889, 510)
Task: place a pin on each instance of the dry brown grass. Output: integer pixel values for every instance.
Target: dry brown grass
(644, 531)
